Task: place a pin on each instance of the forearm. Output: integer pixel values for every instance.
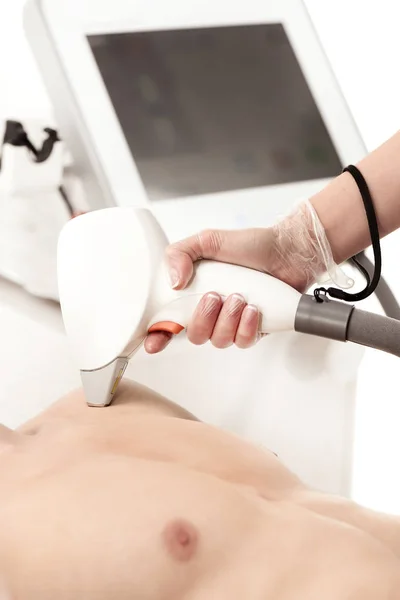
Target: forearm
(341, 210)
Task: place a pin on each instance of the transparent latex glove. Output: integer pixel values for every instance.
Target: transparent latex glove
(294, 250)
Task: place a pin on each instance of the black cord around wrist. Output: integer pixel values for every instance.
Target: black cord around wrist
(374, 233)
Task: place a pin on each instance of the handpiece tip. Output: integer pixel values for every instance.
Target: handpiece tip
(100, 385)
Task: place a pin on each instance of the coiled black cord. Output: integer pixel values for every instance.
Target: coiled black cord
(373, 282)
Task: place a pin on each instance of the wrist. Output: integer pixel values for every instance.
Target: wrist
(342, 215)
(302, 253)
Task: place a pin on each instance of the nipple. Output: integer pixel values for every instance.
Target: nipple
(181, 539)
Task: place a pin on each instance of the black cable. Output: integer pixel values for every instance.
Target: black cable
(384, 294)
(362, 269)
(15, 135)
(47, 147)
(373, 282)
(67, 202)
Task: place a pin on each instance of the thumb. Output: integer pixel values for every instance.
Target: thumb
(245, 247)
(182, 255)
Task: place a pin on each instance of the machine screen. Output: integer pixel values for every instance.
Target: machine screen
(213, 110)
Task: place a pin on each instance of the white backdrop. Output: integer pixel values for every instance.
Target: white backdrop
(363, 44)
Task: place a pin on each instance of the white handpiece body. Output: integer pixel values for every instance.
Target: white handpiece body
(114, 287)
(276, 301)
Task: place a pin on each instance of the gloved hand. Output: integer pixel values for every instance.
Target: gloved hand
(295, 250)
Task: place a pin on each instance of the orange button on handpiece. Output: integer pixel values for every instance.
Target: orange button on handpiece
(167, 326)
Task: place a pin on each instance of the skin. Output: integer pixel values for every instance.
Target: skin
(342, 215)
(141, 500)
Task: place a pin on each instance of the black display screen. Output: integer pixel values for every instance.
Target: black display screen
(211, 110)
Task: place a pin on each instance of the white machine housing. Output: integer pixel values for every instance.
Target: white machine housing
(89, 122)
(294, 394)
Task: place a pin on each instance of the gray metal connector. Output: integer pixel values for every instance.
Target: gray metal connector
(327, 318)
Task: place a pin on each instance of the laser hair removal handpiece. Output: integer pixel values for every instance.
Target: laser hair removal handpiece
(114, 289)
